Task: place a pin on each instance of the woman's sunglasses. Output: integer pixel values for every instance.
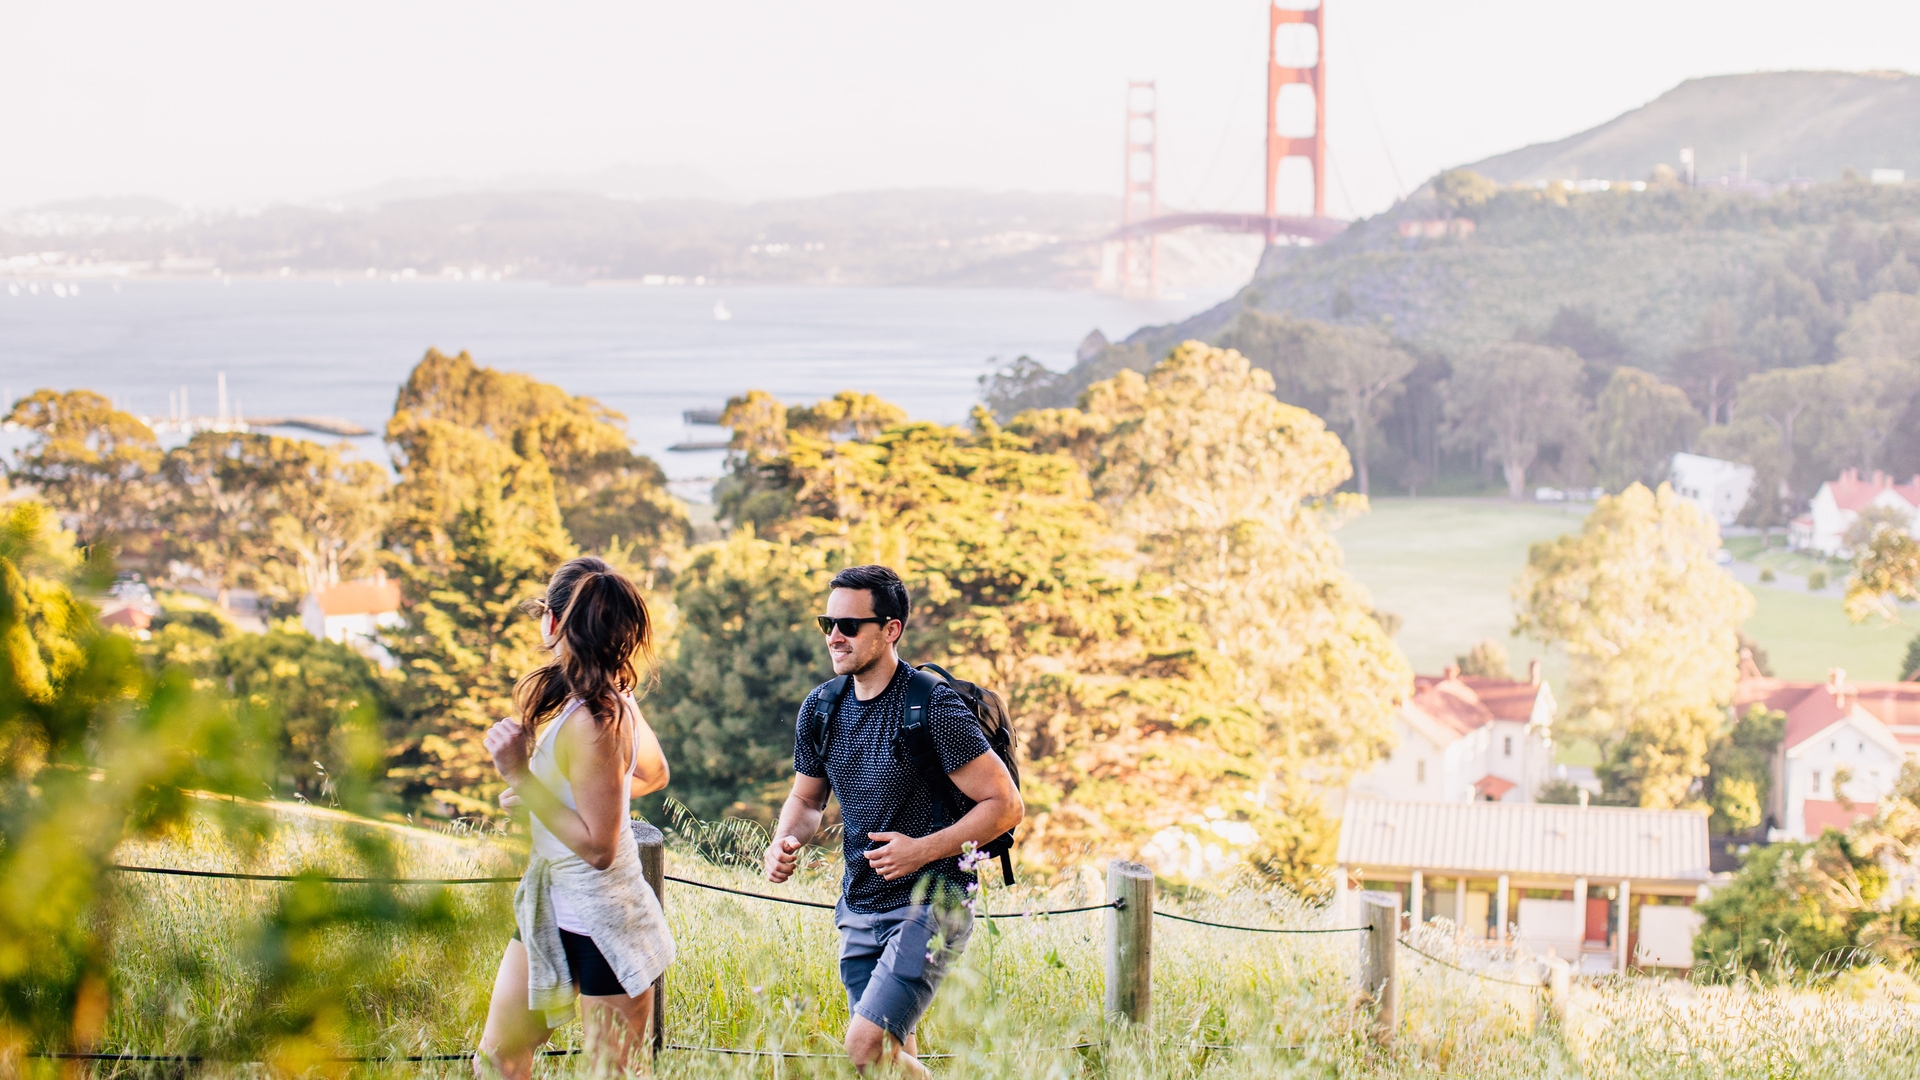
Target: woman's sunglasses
(849, 627)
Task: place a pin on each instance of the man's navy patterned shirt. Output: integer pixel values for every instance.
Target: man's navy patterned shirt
(878, 787)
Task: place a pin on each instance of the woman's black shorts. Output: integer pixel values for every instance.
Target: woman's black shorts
(592, 975)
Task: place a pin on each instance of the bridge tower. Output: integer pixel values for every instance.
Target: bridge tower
(1140, 197)
(1296, 58)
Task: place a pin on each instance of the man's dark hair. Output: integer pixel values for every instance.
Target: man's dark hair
(890, 600)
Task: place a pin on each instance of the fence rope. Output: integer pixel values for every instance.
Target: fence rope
(334, 880)
(324, 879)
(1261, 929)
(789, 1054)
(1410, 946)
(199, 1059)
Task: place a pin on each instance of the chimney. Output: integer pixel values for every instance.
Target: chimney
(1533, 672)
(1837, 685)
(1452, 673)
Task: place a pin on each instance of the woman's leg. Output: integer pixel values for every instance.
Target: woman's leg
(617, 1032)
(513, 1030)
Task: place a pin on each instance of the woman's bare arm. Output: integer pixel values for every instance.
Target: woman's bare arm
(650, 772)
(595, 764)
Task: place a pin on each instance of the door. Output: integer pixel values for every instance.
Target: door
(1599, 918)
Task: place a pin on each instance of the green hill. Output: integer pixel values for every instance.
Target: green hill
(1808, 124)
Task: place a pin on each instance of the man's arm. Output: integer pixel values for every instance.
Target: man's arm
(799, 822)
(997, 808)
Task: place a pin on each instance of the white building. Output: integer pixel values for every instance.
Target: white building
(1464, 739)
(1719, 488)
(1844, 746)
(1838, 503)
(353, 614)
(1606, 887)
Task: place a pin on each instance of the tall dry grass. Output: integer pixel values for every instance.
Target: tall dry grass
(760, 976)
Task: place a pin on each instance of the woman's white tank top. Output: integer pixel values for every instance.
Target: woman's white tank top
(545, 765)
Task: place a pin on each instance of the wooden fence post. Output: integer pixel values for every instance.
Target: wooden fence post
(1130, 942)
(653, 866)
(1379, 961)
(1537, 973)
(1560, 979)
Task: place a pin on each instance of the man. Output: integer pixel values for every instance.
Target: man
(900, 915)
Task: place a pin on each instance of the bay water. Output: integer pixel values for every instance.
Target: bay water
(341, 347)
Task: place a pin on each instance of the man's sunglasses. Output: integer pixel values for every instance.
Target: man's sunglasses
(849, 627)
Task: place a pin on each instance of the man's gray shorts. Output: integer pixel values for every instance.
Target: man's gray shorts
(885, 963)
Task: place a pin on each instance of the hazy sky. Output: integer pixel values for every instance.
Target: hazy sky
(244, 102)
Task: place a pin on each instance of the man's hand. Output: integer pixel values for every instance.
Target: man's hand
(896, 856)
(782, 856)
(506, 742)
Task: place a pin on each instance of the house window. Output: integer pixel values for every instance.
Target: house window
(1419, 772)
(1509, 746)
(1816, 781)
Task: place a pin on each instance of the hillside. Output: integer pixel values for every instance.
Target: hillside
(1789, 124)
(1643, 267)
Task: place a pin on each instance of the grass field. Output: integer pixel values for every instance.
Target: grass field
(759, 976)
(1447, 567)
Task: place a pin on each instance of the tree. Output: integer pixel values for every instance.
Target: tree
(1650, 623)
(1860, 402)
(465, 643)
(1462, 189)
(456, 425)
(214, 511)
(89, 460)
(1283, 348)
(1600, 348)
(1778, 399)
(746, 656)
(1822, 905)
(328, 515)
(1222, 490)
(1640, 423)
(1740, 771)
(284, 516)
(1362, 371)
(96, 751)
(1887, 327)
(1509, 400)
(1714, 361)
(1886, 570)
(1487, 660)
(325, 701)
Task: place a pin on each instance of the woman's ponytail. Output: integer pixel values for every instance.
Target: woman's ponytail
(600, 623)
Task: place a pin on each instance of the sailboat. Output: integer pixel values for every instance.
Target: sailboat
(720, 312)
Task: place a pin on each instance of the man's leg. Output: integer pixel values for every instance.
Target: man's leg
(513, 1031)
(919, 948)
(871, 1047)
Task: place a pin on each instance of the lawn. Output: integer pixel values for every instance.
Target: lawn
(1447, 567)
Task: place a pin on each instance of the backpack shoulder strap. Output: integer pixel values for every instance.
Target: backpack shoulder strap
(916, 733)
(825, 704)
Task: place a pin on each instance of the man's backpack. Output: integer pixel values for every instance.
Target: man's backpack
(916, 740)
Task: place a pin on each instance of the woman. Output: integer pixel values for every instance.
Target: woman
(588, 926)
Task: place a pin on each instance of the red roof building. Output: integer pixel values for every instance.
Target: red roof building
(1838, 504)
(1467, 738)
(1844, 746)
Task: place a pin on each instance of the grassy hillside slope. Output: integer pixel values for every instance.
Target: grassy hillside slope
(1647, 265)
(1812, 124)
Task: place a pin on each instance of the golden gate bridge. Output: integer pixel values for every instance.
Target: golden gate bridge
(1296, 151)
